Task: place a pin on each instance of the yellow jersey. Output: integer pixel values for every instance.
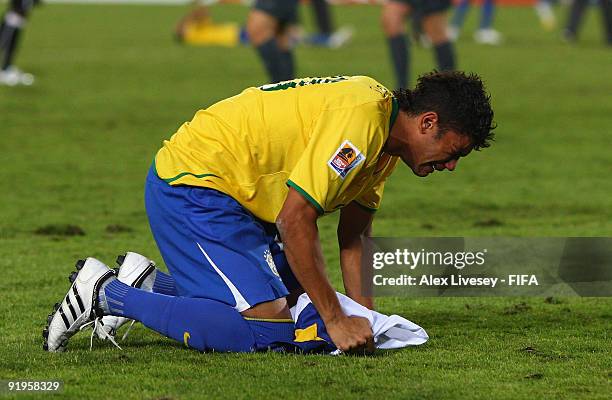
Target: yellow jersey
(321, 136)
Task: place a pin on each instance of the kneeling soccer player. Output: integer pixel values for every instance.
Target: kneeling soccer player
(264, 166)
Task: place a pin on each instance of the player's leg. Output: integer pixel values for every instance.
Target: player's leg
(261, 28)
(220, 258)
(140, 272)
(606, 14)
(199, 323)
(435, 26)
(544, 10)
(393, 18)
(487, 13)
(164, 284)
(137, 271)
(267, 24)
(132, 271)
(576, 13)
(13, 23)
(287, 62)
(322, 16)
(460, 13)
(327, 35)
(216, 249)
(486, 34)
(415, 22)
(284, 38)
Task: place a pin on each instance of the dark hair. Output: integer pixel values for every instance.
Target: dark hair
(459, 99)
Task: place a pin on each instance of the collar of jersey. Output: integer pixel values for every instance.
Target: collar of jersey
(394, 112)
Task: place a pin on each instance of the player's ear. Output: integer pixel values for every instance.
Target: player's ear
(428, 122)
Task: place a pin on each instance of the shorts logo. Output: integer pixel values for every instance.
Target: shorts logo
(270, 261)
(345, 159)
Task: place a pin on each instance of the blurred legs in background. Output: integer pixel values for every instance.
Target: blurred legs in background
(576, 14)
(268, 27)
(434, 25)
(544, 10)
(327, 35)
(198, 28)
(11, 26)
(485, 33)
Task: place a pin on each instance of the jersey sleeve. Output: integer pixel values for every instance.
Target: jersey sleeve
(343, 142)
(370, 200)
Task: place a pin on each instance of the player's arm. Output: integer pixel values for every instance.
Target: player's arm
(297, 224)
(354, 224)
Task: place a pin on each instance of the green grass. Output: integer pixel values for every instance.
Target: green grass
(112, 85)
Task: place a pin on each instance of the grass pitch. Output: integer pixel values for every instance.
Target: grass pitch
(112, 84)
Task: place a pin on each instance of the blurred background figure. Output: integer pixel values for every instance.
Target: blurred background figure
(327, 35)
(434, 24)
(12, 24)
(544, 10)
(268, 27)
(197, 28)
(576, 14)
(485, 33)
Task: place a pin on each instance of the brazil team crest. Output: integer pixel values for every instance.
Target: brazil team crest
(270, 260)
(345, 159)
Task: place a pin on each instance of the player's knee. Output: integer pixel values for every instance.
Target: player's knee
(260, 27)
(275, 309)
(15, 19)
(435, 26)
(392, 18)
(391, 25)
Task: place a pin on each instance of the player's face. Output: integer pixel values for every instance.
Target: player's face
(438, 153)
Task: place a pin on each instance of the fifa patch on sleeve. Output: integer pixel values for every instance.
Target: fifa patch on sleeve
(345, 159)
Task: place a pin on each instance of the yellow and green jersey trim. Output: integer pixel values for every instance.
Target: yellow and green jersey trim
(394, 113)
(311, 200)
(308, 197)
(182, 174)
(366, 208)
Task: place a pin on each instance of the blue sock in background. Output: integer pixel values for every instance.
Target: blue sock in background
(400, 55)
(271, 56)
(486, 16)
(460, 13)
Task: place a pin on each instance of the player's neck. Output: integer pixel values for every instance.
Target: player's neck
(398, 141)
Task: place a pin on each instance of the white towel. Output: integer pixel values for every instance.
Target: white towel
(390, 332)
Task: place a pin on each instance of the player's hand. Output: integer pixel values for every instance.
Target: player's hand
(351, 334)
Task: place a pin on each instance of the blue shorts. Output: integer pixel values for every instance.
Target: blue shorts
(214, 248)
